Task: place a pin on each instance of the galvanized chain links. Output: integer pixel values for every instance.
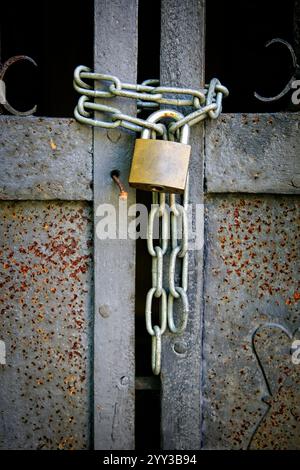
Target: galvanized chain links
(170, 220)
(3, 99)
(149, 95)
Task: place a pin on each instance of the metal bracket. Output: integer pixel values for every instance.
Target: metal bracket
(296, 72)
(3, 101)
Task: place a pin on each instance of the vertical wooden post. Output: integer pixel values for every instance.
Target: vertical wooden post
(182, 64)
(115, 53)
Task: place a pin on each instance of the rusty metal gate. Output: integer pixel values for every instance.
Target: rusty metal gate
(67, 303)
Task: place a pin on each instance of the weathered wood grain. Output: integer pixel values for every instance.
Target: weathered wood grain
(182, 64)
(45, 158)
(114, 371)
(253, 153)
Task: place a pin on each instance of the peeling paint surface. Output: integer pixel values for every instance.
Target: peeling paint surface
(251, 393)
(45, 322)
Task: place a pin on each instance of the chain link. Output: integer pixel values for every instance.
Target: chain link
(179, 251)
(4, 104)
(148, 95)
(158, 212)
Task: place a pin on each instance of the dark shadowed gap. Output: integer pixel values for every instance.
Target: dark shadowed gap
(147, 410)
(236, 33)
(58, 36)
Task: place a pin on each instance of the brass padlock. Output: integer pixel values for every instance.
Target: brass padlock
(161, 165)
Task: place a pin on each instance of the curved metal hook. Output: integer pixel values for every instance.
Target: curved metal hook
(3, 70)
(289, 84)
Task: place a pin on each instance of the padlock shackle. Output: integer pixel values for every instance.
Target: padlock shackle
(167, 113)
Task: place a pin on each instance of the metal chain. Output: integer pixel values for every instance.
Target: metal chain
(149, 95)
(178, 214)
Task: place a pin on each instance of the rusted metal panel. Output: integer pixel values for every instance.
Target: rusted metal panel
(45, 323)
(251, 282)
(253, 153)
(45, 158)
(114, 377)
(182, 61)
